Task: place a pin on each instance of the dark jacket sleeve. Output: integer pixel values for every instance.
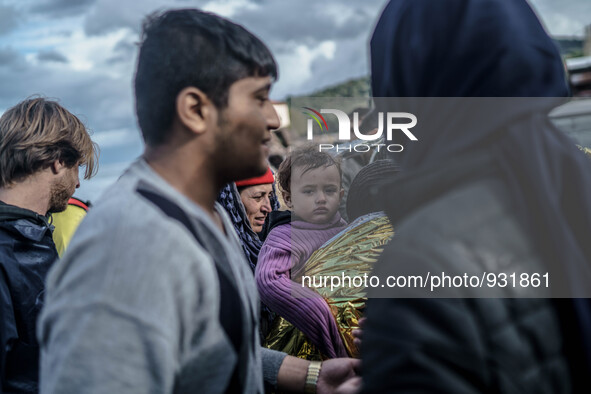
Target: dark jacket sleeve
(459, 345)
(421, 346)
(7, 322)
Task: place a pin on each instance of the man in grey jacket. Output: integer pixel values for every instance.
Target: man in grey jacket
(154, 294)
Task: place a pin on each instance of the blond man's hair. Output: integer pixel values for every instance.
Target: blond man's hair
(35, 133)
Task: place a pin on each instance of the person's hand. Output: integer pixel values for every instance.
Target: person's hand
(351, 386)
(357, 334)
(339, 376)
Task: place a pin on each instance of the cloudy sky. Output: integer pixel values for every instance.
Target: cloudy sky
(83, 53)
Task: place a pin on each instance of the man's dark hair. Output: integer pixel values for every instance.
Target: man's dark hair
(308, 158)
(188, 47)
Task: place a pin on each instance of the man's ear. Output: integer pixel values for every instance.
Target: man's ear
(57, 166)
(287, 199)
(341, 194)
(195, 110)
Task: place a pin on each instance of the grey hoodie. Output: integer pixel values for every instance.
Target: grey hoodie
(133, 307)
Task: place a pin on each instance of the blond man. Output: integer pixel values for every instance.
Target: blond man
(42, 146)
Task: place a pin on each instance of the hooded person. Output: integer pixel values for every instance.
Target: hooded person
(489, 183)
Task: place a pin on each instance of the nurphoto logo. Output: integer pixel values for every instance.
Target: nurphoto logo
(394, 122)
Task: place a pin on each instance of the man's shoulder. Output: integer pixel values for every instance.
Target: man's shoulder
(125, 205)
(120, 201)
(20, 223)
(7, 244)
(125, 225)
(23, 241)
(125, 241)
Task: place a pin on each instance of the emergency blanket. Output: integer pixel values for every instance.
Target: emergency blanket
(336, 271)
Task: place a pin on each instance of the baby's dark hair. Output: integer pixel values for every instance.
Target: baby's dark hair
(308, 158)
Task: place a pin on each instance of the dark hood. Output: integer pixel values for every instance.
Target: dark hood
(464, 48)
(425, 49)
(12, 212)
(275, 218)
(23, 221)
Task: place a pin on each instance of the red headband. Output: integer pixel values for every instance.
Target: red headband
(260, 180)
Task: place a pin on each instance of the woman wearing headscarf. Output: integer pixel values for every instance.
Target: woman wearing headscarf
(490, 184)
(259, 195)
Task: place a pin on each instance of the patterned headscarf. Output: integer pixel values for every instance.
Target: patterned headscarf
(229, 198)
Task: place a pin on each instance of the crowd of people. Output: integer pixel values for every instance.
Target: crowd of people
(187, 275)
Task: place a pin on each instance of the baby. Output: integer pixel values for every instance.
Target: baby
(311, 186)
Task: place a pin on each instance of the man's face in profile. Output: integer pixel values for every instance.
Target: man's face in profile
(244, 134)
(62, 189)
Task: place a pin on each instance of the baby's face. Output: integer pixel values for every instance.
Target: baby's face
(315, 194)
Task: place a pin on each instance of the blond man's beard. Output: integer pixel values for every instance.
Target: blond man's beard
(59, 196)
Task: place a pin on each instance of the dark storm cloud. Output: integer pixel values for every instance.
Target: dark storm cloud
(64, 33)
(102, 102)
(287, 26)
(9, 19)
(109, 15)
(351, 52)
(306, 21)
(280, 24)
(564, 17)
(51, 56)
(103, 20)
(11, 61)
(123, 51)
(61, 8)
(326, 72)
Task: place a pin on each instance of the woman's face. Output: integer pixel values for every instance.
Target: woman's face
(256, 200)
